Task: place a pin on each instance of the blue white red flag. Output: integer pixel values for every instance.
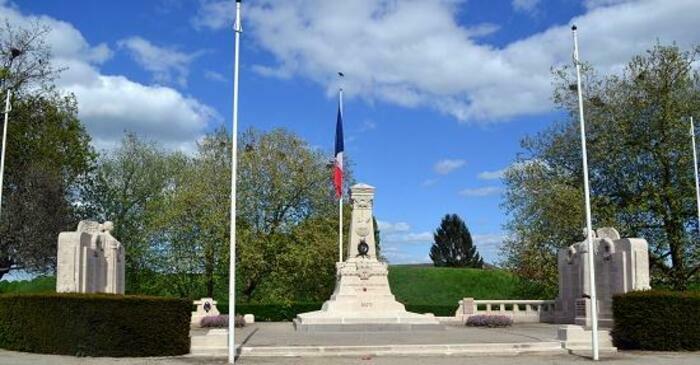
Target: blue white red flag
(339, 148)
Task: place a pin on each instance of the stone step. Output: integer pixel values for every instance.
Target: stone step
(218, 349)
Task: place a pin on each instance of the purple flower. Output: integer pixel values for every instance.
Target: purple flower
(221, 321)
(484, 320)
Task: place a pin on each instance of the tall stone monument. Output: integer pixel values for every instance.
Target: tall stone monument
(362, 300)
(90, 260)
(621, 265)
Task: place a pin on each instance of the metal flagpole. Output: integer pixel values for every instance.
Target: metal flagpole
(4, 142)
(695, 165)
(234, 166)
(14, 53)
(340, 199)
(589, 225)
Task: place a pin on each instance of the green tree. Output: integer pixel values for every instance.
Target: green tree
(453, 246)
(48, 154)
(378, 239)
(127, 187)
(48, 157)
(192, 228)
(284, 190)
(640, 162)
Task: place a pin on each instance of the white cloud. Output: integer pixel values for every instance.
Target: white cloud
(492, 175)
(392, 52)
(213, 14)
(489, 245)
(367, 125)
(157, 112)
(388, 227)
(527, 6)
(402, 245)
(410, 237)
(444, 167)
(429, 182)
(591, 4)
(483, 191)
(110, 104)
(215, 76)
(167, 65)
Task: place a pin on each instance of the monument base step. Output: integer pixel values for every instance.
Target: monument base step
(474, 349)
(578, 338)
(340, 326)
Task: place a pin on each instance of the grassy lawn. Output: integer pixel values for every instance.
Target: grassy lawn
(411, 284)
(37, 285)
(447, 286)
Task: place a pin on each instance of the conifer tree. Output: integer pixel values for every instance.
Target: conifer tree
(453, 246)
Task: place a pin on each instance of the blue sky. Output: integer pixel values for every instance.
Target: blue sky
(438, 92)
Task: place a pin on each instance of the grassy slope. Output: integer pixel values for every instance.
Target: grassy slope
(37, 285)
(433, 285)
(410, 285)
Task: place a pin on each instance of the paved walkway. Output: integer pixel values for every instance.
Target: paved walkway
(283, 334)
(627, 358)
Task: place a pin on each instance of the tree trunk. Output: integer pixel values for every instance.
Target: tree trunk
(209, 276)
(5, 266)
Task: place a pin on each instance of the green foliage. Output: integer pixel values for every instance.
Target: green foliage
(276, 312)
(286, 199)
(46, 284)
(453, 246)
(640, 162)
(191, 228)
(171, 211)
(657, 321)
(48, 157)
(378, 239)
(127, 188)
(94, 325)
(443, 310)
(48, 153)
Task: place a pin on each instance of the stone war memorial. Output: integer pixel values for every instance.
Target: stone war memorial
(621, 266)
(362, 299)
(90, 260)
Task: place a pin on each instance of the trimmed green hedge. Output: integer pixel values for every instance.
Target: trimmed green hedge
(657, 320)
(287, 312)
(272, 312)
(95, 324)
(439, 310)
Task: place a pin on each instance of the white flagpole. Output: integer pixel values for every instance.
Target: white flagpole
(4, 142)
(14, 53)
(589, 225)
(695, 165)
(234, 166)
(340, 199)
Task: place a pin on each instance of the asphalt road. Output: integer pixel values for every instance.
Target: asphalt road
(624, 358)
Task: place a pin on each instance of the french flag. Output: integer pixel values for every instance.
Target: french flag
(339, 148)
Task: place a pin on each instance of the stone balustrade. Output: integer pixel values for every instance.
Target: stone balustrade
(521, 311)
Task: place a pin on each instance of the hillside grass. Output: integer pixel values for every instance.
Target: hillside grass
(42, 284)
(447, 286)
(411, 284)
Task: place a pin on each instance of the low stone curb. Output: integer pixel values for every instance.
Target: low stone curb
(480, 349)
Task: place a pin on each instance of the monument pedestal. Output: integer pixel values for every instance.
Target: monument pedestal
(574, 337)
(362, 300)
